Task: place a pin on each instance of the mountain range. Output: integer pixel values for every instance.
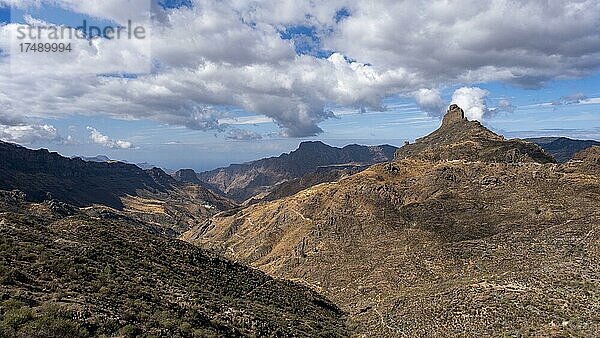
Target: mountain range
(562, 148)
(463, 234)
(243, 181)
(315, 163)
(151, 195)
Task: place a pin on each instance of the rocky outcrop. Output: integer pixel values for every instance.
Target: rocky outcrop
(454, 115)
(187, 175)
(460, 139)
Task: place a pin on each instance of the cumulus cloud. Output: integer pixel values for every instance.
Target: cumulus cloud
(473, 101)
(474, 41)
(200, 64)
(28, 134)
(105, 141)
(243, 135)
(430, 101)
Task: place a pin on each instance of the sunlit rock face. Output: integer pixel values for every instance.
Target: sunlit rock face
(454, 115)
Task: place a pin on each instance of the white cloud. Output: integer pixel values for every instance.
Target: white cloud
(473, 101)
(242, 120)
(230, 53)
(444, 42)
(103, 140)
(591, 100)
(430, 101)
(573, 99)
(242, 135)
(28, 134)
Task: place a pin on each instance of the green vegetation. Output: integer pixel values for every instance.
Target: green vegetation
(78, 276)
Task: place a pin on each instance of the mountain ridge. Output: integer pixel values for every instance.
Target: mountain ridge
(453, 237)
(242, 181)
(460, 139)
(562, 148)
(151, 195)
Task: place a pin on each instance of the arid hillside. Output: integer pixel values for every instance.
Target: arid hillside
(465, 234)
(563, 149)
(67, 273)
(150, 195)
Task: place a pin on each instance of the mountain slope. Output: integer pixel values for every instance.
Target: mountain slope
(485, 245)
(459, 139)
(294, 186)
(562, 148)
(64, 273)
(242, 181)
(151, 194)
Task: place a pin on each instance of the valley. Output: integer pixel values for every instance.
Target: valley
(459, 233)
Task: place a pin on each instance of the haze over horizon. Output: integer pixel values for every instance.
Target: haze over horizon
(229, 82)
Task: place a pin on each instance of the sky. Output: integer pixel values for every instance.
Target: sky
(212, 83)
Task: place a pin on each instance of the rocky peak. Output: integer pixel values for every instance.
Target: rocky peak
(460, 139)
(454, 115)
(312, 146)
(186, 175)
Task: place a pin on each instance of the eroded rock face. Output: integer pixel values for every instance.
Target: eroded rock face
(464, 233)
(187, 175)
(454, 115)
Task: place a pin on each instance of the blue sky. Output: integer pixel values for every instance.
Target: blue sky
(290, 78)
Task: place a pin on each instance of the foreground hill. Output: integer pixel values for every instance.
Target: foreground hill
(242, 181)
(64, 273)
(151, 194)
(562, 148)
(465, 234)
